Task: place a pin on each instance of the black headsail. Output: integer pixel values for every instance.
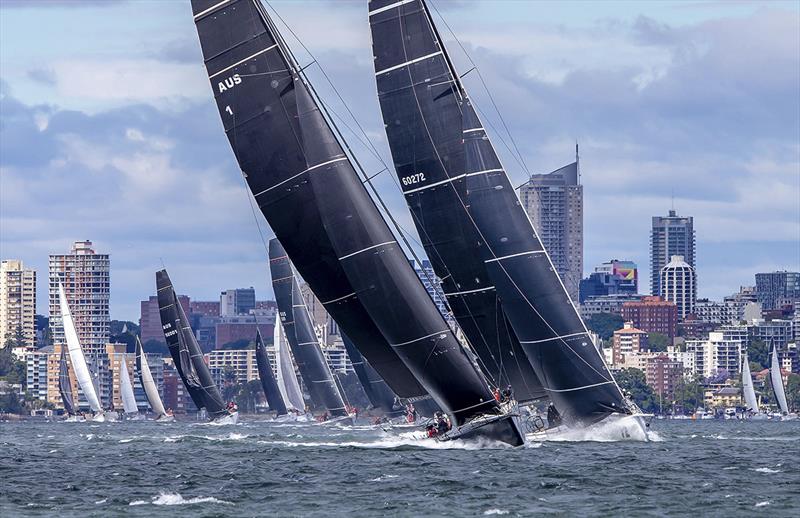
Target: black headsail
(64, 384)
(299, 329)
(378, 392)
(188, 356)
(268, 383)
(427, 148)
(448, 166)
(313, 199)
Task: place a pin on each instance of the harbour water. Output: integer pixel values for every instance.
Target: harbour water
(705, 468)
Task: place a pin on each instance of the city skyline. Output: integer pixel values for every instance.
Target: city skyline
(164, 186)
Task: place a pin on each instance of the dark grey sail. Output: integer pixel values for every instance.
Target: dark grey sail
(168, 311)
(64, 384)
(318, 207)
(300, 334)
(452, 177)
(378, 392)
(427, 148)
(268, 383)
(186, 352)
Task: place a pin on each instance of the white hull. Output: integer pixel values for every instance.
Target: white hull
(101, 418)
(165, 419)
(616, 427)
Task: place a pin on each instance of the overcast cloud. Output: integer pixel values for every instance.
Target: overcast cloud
(108, 131)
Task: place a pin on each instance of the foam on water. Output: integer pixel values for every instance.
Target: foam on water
(177, 499)
(767, 470)
(490, 512)
(626, 428)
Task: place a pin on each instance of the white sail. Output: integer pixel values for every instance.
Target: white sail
(76, 355)
(777, 382)
(287, 379)
(747, 386)
(148, 383)
(126, 388)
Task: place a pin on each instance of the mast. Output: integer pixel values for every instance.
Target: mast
(287, 379)
(426, 140)
(776, 380)
(76, 356)
(147, 381)
(378, 392)
(441, 150)
(64, 383)
(300, 334)
(747, 386)
(268, 383)
(314, 201)
(126, 388)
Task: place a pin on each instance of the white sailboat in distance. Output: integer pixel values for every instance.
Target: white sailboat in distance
(78, 359)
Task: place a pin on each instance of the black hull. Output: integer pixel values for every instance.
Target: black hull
(504, 428)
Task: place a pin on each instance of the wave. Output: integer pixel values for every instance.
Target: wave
(762, 504)
(177, 499)
(494, 511)
(767, 470)
(222, 438)
(612, 429)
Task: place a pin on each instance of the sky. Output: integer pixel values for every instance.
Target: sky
(108, 130)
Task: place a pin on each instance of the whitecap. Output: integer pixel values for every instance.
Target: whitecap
(383, 477)
(125, 440)
(177, 499)
(52, 451)
(762, 504)
(104, 500)
(767, 470)
(138, 502)
(490, 512)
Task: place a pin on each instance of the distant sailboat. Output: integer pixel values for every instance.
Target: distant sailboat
(268, 382)
(287, 379)
(78, 359)
(776, 380)
(188, 356)
(149, 384)
(65, 386)
(751, 402)
(126, 390)
(378, 392)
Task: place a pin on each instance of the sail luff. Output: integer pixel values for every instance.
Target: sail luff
(318, 207)
(268, 383)
(147, 381)
(76, 355)
(777, 381)
(428, 114)
(64, 383)
(747, 386)
(126, 388)
(287, 379)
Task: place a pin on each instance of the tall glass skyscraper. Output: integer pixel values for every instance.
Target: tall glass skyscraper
(554, 202)
(671, 235)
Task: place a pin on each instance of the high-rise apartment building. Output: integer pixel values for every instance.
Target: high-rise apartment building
(433, 285)
(671, 235)
(679, 285)
(17, 303)
(611, 278)
(85, 276)
(652, 314)
(237, 302)
(776, 289)
(628, 340)
(150, 319)
(554, 203)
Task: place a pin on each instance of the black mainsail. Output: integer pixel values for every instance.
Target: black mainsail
(64, 383)
(185, 351)
(299, 329)
(313, 199)
(378, 392)
(427, 147)
(475, 228)
(268, 383)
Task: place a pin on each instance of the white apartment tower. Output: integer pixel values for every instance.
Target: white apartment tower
(17, 302)
(679, 285)
(85, 275)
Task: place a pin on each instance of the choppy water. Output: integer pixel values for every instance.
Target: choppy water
(706, 468)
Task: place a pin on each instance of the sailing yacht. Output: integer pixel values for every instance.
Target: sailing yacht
(65, 388)
(498, 277)
(126, 391)
(752, 411)
(188, 357)
(776, 382)
(298, 169)
(268, 382)
(78, 359)
(149, 385)
(287, 382)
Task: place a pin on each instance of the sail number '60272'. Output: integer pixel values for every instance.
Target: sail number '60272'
(414, 178)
